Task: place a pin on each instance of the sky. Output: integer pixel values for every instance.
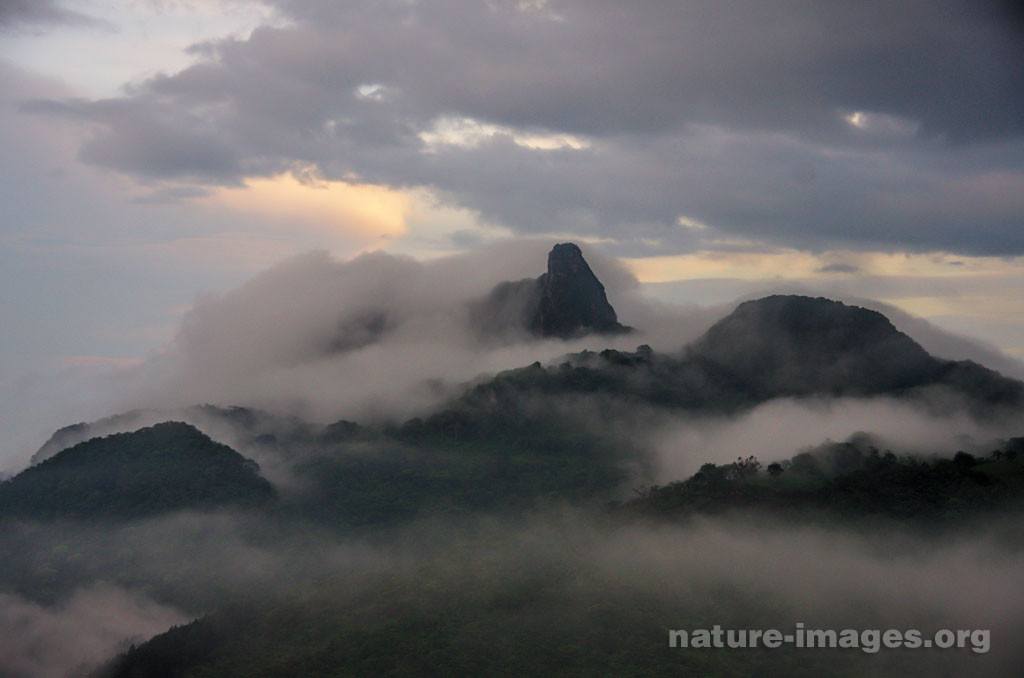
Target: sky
(154, 151)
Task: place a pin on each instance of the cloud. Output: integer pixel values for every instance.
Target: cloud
(375, 337)
(19, 14)
(778, 429)
(383, 338)
(371, 211)
(38, 641)
(596, 68)
(560, 570)
(805, 125)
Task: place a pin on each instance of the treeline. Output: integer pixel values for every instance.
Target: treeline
(852, 479)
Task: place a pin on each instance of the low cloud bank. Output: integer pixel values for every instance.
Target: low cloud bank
(377, 336)
(38, 641)
(781, 428)
(559, 568)
(384, 338)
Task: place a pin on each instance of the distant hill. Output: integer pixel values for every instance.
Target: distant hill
(796, 345)
(165, 467)
(246, 425)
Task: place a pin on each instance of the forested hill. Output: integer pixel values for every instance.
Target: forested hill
(161, 468)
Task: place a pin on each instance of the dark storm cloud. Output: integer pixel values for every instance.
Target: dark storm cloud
(600, 67)
(160, 143)
(808, 124)
(21, 13)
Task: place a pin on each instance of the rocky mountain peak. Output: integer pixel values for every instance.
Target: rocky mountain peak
(566, 301)
(572, 299)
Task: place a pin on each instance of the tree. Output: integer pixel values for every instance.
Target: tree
(964, 459)
(743, 468)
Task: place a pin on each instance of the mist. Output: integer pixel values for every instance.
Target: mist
(778, 429)
(376, 337)
(40, 641)
(551, 569)
(382, 338)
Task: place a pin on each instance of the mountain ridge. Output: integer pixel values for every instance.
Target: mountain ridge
(777, 346)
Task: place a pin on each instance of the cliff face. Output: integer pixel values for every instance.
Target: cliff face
(572, 300)
(566, 301)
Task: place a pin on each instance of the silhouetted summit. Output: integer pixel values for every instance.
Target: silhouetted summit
(795, 344)
(566, 301)
(572, 299)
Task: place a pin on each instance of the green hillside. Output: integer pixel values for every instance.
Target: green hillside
(162, 468)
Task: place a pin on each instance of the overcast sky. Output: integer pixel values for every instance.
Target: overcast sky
(152, 150)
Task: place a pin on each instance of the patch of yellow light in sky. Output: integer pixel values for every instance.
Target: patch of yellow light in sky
(436, 228)
(362, 211)
(975, 306)
(712, 264)
(795, 264)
